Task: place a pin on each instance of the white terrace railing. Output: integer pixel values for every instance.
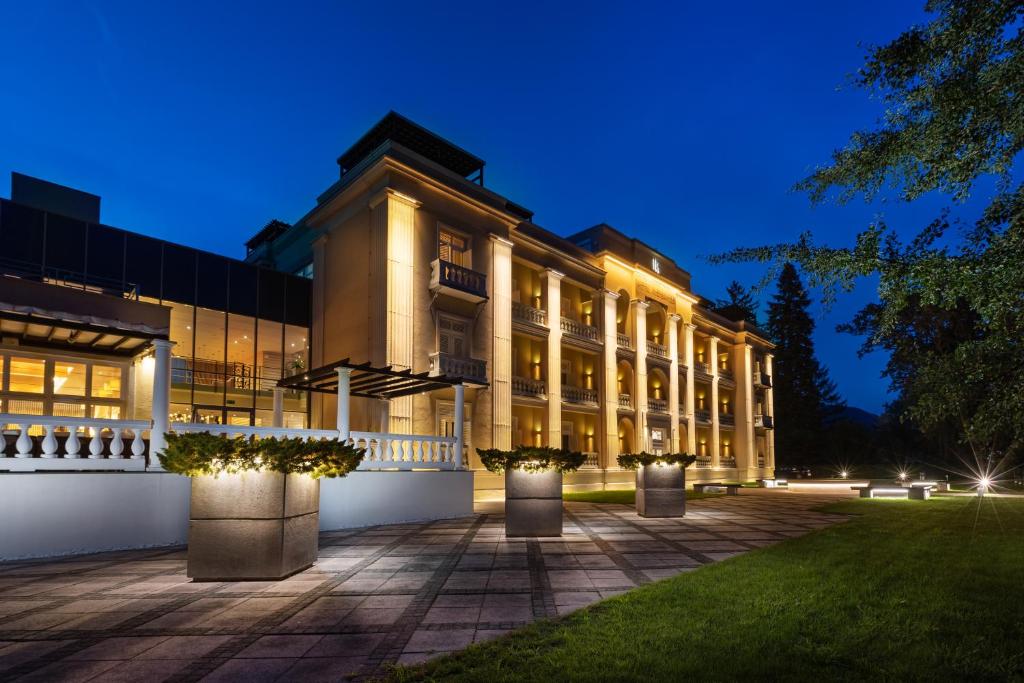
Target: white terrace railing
(383, 451)
(407, 451)
(45, 442)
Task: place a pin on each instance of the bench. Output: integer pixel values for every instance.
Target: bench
(730, 489)
(889, 490)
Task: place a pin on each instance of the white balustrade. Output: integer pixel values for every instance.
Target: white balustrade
(53, 455)
(406, 451)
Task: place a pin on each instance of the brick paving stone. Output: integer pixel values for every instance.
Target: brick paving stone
(376, 596)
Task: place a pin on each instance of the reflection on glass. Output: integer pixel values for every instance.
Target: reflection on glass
(27, 375)
(209, 365)
(107, 412)
(106, 381)
(68, 379)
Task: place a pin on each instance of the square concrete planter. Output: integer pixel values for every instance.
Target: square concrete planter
(660, 491)
(533, 503)
(252, 526)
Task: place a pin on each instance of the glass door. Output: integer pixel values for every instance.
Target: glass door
(219, 415)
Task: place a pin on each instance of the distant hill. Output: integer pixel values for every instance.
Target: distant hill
(857, 416)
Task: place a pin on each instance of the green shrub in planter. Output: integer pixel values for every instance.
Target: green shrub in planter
(632, 461)
(254, 510)
(533, 487)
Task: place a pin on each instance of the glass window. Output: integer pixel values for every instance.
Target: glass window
(296, 349)
(107, 412)
(106, 381)
(27, 375)
(68, 409)
(21, 407)
(453, 248)
(240, 360)
(68, 379)
(209, 366)
(269, 355)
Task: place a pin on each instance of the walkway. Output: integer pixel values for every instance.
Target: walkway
(399, 593)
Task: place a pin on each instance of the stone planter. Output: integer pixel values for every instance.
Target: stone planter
(533, 503)
(252, 525)
(660, 491)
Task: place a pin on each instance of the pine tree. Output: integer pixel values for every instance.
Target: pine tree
(740, 305)
(804, 395)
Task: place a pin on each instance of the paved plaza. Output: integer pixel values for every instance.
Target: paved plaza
(398, 593)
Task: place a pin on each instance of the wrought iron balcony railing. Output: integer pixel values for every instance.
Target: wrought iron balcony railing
(445, 275)
(576, 328)
(529, 314)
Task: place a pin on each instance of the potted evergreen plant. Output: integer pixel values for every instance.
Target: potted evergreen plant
(660, 482)
(533, 486)
(255, 503)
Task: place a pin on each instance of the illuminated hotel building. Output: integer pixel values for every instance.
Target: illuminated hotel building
(594, 342)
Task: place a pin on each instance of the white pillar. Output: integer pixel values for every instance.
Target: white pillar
(500, 282)
(553, 287)
(278, 420)
(611, 380)
(691, 398)
(640, 374)
(746, 447)
(716, 454)
(460, 399)
(673, 378)
(161, 406)
(344, 395)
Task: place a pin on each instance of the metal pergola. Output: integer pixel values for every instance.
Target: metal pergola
(367, 381)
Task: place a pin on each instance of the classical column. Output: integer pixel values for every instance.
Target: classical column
(691, 422)
(342, 421)
(501, 370)
(460, 420)
(553, 292)
(713, 365)
(611, 380)
(161, 406)
(746, 447)
(640, 374)
(673, 378)
(278, 419)
(769, 409)
(394, 219)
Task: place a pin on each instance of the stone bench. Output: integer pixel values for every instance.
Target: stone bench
(876, 490)
(730, 489)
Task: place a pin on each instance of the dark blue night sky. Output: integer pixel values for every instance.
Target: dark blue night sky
(685, 125)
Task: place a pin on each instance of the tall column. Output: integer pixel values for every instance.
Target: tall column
(278, 419)
(746, 447)
(611, 380)
(716, 454)
(553, 291)
(691, 421)
(640, 374)
(394, 218)
(673, 378)
(769, 409)
(161, 407)
(342, 421)
(460, 420)
(501, 366)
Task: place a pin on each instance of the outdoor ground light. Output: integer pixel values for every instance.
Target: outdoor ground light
(983, 484)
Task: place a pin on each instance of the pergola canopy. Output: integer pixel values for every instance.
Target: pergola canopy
(367, 381)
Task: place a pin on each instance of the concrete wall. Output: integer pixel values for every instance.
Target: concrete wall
(50, 514)
(370, 498)
(63, 514)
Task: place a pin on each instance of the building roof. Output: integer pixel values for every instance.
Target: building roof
(397, 128)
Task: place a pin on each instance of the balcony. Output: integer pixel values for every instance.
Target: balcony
(726, 420)
(578, 329)
(592, 461)
(528, 314)
(703, 461)
(727, 461)
(469, 369)
(534, 388)
(623, 341)
(702, 416)
(657, 405)
(762, 379)
(626, 401)
(764, 421)
(726, 373)
(702, 370)
(577, 395)
(656, 349)
(457, 281)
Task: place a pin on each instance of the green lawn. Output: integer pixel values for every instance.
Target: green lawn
(624, 497)
(904, 590)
